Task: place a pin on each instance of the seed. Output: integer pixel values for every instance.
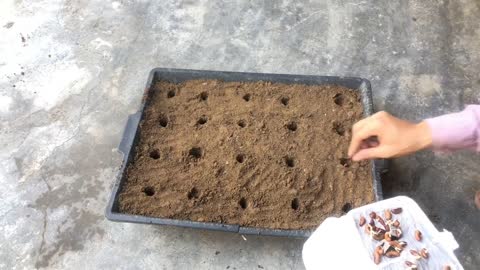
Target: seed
(373, 215)
(397, 211)
(392, 254)
(395, 234)
(396, 223)
(380, 219)
(399, 245)
(388, 236)
(362, 221)
(387, 247)
(388, 214)
(424, 253)
(377, 258)
(447, 267)
(379, 250)
(418, 235)
(415, 254)
(368, 229)
(379, 235)
(410, 265)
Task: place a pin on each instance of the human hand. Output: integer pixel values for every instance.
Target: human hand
(383, 136)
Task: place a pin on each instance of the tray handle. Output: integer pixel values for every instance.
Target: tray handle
(129, 132)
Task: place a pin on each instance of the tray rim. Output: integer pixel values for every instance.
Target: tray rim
(131, 130)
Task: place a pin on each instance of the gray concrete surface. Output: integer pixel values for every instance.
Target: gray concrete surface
(72, 71)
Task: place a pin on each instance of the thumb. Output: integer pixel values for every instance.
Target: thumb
(369, 153)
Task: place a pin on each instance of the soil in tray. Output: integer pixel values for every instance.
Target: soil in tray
(257, 154)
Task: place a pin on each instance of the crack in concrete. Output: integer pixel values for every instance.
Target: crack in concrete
(42, 244)
(75, 134)
(304, 20)
(46, 182)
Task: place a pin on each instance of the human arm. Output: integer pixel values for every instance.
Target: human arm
(396, 137)
(456, 130)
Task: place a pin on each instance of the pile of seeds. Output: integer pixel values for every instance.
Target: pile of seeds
(387, 230)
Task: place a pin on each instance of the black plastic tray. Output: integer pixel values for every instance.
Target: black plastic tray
(130, 138)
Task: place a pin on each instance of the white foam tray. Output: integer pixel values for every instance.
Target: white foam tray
(339, 243)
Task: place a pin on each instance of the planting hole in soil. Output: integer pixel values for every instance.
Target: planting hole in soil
(240, 158)
(193, 194)
(163, 121)
(155, 154)
(295, 204)
(204, 96)
(290, 162)
(285, 100)
(243, 203)
(208, 156)
(171, 93)
(345, 162)
(338, 99)
(292, 126)
(338, 128)
(346, 207)
(202, 120)
(247, 97)
(220, 171)
(195, 152)
(149, 191)
(241, 123)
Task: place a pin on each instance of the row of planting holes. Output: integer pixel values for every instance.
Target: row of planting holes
(292, 126)
(194, 194)
(197, 153)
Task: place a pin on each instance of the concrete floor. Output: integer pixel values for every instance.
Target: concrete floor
(72, 71)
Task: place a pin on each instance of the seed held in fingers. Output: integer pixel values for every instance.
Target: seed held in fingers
(477, 199)
(418, 235)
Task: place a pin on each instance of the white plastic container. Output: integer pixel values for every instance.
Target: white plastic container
(340, 243)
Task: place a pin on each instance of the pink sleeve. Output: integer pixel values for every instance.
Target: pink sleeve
(456, 130)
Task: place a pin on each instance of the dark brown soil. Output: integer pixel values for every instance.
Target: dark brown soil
(256, 154)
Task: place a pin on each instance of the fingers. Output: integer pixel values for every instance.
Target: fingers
(369, 153)
(364, 129)
(360, 136)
